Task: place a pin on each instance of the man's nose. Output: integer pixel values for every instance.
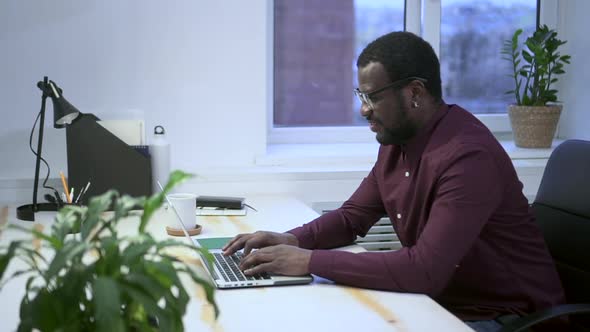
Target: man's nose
(365, 110)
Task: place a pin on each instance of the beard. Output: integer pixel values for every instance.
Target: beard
(403, 131)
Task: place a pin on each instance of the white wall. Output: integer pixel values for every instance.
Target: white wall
(201, 69)
(197, 67)
(574, 28)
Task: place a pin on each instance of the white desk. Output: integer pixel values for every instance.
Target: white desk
(321, 306)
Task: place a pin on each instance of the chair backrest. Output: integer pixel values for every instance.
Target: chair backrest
(562, 209)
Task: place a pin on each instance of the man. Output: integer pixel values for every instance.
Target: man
(450, 190)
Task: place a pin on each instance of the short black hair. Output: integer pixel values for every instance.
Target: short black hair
(403, 54)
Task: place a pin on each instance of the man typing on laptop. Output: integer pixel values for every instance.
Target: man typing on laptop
(450, 190)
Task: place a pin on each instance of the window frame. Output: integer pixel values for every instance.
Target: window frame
(422, 17)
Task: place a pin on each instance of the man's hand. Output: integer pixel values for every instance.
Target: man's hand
(257, 240)
(280, 259)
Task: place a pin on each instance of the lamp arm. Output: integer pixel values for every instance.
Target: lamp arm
(39, 146)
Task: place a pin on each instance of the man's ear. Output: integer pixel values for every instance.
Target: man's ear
(417, 90)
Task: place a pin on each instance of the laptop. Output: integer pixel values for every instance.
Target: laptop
(225, 273)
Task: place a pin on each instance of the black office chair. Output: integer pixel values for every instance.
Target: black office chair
(562, 209)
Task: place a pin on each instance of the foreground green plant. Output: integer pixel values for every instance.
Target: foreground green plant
(97, 280)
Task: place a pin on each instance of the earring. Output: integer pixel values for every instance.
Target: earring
(415, 104)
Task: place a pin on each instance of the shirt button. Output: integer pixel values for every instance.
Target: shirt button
(399, 216)
(407, 174)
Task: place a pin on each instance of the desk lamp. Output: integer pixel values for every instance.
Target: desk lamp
(63, 114)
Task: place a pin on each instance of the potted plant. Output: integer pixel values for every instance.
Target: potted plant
(98, 280)
(535, 66)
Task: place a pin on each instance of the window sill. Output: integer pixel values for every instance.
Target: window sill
(316, 172)
(304, 155)
(318, 161)
(345, 156)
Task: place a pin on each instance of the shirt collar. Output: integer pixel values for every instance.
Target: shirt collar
(414, 148)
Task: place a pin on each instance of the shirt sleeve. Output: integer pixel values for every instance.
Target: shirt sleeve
(469, 190)
(340, 227)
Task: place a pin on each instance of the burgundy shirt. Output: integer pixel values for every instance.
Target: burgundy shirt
(455, 201)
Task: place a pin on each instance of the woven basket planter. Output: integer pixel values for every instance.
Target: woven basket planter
(534, 126)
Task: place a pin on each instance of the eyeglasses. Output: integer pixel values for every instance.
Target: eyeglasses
(365, 97)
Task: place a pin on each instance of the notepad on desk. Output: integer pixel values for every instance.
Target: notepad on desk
(215, 211)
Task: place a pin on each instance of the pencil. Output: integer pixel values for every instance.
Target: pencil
(65, 184)
(83, 192)
(87, 186)
(80, 192)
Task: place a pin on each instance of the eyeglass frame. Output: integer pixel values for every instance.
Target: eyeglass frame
(365, 97)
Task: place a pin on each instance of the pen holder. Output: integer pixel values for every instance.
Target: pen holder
(54, 203)
(77, 222)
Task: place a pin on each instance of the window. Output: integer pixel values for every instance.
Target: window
(472, 33)
(316, 43)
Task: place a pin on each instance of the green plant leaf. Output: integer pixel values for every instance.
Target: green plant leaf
(145, 301)
(64, 256)
(542, 62)
(150, 206)
(526, 100)
(552, 91)
(125, 204)
(68, 220)
(107, 305)
(144, 280)
(171, 243)
(6, 257)
(517, 33)
(111, 259)
(97, 206)
(31, 256)
(14, 275)
(166, 274)
(207, 287)
(162, 271)
(26, 310)
(73, 287)
(175, 306)
(46, 311)
(527, 56)
(135, 251)
(54, 242)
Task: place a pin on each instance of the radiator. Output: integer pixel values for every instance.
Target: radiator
(380, 237)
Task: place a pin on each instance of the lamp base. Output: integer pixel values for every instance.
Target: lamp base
(26, 212)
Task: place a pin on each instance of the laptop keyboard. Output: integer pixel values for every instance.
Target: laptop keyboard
(229, 268)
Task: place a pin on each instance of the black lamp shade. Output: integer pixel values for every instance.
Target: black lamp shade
(63, 112)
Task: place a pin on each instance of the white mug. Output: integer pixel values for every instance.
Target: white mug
(186, 206)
